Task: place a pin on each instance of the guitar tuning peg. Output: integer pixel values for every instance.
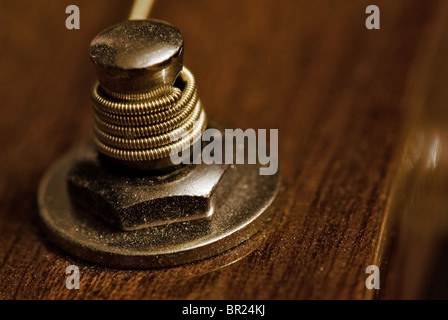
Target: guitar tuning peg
(137, 56)
(122, 201)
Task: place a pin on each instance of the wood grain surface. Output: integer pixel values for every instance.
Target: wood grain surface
(336, 91)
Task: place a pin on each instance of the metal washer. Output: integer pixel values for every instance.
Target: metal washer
(243, 198)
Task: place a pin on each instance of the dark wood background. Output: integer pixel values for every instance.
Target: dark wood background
(338, 93)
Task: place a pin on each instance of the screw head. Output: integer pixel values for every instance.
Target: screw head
(137, 56)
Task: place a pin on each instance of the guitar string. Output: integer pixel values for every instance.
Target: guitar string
(141, 9)
(150, 125)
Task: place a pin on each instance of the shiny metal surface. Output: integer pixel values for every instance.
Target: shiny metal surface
(141, 112)
(147, 127)
(162, 214)
(138, 55)
(134, 201)
(241, 209)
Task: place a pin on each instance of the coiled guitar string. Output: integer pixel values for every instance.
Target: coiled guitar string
(147, 126)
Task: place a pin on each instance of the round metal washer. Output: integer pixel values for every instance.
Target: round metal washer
(243, 197)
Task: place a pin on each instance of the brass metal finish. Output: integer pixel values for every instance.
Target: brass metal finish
(146, 107)
(237, 215)
(137, 56)
(148, 126)
(130, 202)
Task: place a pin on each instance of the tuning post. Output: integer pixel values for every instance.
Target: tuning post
(120, 201)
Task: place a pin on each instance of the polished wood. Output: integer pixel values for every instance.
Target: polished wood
(336, 91)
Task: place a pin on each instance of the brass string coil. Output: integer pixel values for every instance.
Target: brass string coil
(147, 126)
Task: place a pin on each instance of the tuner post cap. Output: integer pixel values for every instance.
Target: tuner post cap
(137, 56)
